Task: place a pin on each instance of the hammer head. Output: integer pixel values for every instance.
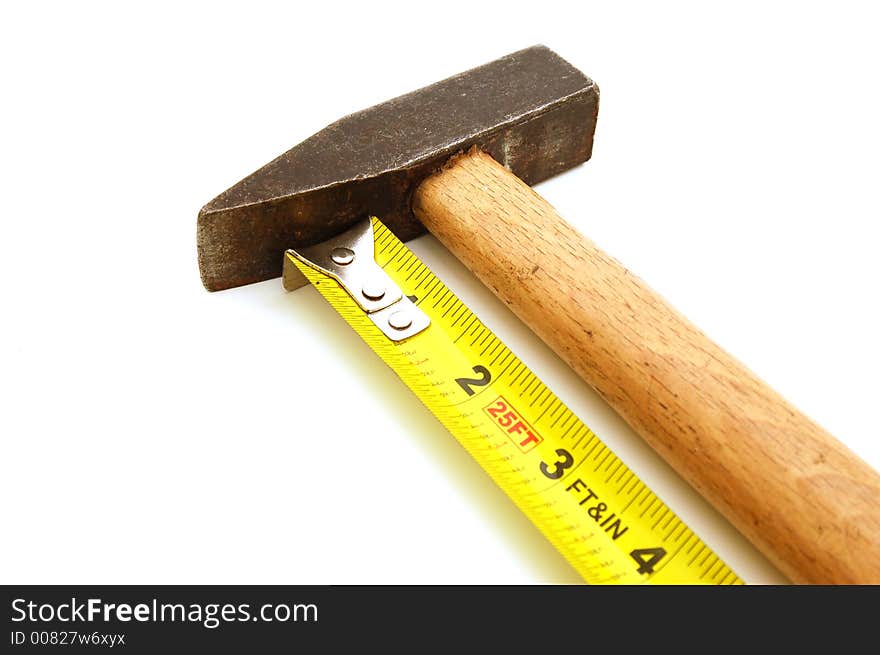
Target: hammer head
(531, 110)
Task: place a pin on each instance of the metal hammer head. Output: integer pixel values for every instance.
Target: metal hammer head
(531, 110)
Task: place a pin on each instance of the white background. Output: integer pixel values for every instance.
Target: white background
(153, 432)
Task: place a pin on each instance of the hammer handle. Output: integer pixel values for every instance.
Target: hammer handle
(806, 501)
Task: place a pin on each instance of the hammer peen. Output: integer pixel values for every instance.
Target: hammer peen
(457, 158)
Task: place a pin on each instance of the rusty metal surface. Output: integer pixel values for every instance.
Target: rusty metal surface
(531, 110)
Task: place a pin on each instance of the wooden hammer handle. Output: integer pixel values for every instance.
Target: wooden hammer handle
(806, 501)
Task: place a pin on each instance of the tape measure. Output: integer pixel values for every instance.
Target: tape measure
(605, 521)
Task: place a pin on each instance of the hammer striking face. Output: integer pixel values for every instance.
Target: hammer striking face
(531, 110)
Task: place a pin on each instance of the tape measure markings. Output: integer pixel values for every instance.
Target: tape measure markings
(585, 500)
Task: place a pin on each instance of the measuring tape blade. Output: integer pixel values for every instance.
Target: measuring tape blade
(605, 521)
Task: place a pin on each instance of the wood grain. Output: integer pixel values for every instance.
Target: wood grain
(806, 501)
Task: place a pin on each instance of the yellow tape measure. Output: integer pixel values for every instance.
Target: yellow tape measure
(587, 502)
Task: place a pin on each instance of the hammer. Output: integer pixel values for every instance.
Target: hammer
(457, 158)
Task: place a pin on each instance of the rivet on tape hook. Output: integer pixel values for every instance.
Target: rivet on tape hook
(350, 259)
